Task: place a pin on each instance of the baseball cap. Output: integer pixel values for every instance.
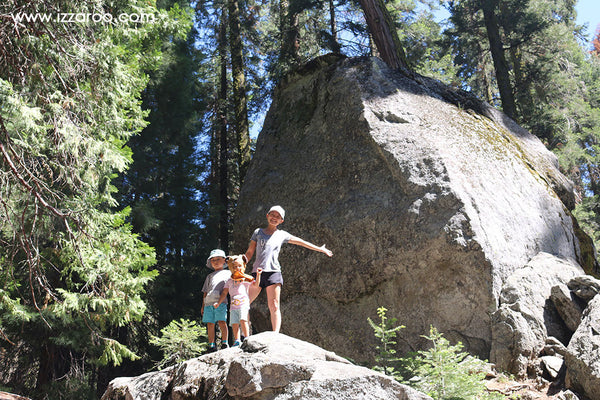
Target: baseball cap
(279, 209)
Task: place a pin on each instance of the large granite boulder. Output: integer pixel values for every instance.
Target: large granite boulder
(428, 198)
(267, 366)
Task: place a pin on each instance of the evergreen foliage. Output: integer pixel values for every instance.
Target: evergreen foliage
(444, 372)
(386, 330)
(179, 341)
(427, 51)
(164, 187)
(165, 190)
(72, 270)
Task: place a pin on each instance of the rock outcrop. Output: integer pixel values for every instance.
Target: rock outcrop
(267, 366)
(567, 305)
(11, 396)
(564, 316)
(585, 287)
(526, 317)
(583, 353)
(429, 199)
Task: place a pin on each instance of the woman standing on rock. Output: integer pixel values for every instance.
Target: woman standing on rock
(266, 242)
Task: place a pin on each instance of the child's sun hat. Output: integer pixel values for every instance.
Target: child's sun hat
(213, 254)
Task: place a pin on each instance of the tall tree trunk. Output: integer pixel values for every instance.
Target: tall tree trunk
(500, 64)
(221, 114)
(483, 76)
(241, 125)
(53, 365)
(335, 45)
(283, 6)
(44, 376)
(523, 98)
(290, 33)
(384, 34)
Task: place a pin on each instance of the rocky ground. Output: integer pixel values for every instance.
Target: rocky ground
(512, 389)
(525, 390)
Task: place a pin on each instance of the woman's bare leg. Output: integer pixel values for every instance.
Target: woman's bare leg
(273, 295)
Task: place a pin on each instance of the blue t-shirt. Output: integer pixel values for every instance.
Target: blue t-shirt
(267, 249)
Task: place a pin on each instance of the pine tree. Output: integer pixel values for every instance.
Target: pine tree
(240, 122)
(427, 51)
(386, 331)
(382, 29)
(164, 187)
(221, 139)
(179, 341)
(71, 268)
(446, 372)
(500, 64)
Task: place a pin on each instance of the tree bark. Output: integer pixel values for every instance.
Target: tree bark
(500, 63)
(241, 125)
(384, 34)
(333, 26)
(290, 34)
(221, 114)
(53, 364)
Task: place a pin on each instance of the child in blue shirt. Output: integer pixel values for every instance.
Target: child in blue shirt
(212, 288)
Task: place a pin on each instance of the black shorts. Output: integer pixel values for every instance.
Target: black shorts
(269, 278)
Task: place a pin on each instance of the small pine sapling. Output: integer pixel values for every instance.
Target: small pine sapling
(385, 331)
(445, 372)
(180, 341)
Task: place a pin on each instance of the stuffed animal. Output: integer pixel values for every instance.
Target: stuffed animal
(237, 266)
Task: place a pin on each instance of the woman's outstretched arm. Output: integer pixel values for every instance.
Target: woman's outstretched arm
(300, 242)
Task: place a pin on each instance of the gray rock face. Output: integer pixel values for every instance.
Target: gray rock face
(552, 365)
(526, 317)
(585, 287)
(267, 366)
(567, 305)
(11, 396)
(428, 207)
(583, 353)
(553, 347)
(567, 395)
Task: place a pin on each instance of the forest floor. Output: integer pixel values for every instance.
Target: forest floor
(523, 390)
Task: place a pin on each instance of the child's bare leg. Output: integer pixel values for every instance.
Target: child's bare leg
(236, 331)
(210, 328)
(224, 330)
(244, 327)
